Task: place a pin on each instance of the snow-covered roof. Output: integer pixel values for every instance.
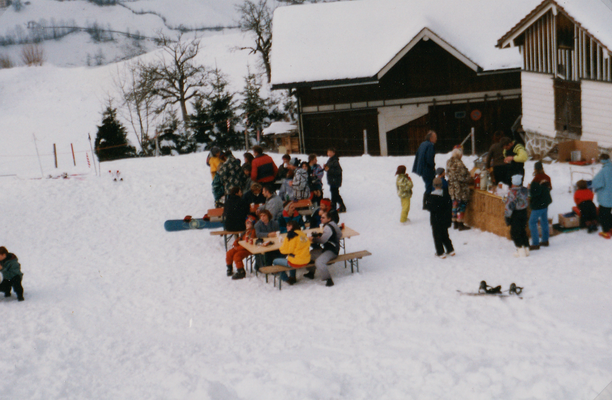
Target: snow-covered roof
(279, 128)
(594, 16)
(357, 39)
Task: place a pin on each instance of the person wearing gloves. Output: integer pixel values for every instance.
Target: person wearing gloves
(11, 274)
(602, 186)
(297, 247)
(328, 247)
(403, 184)
(516, 215)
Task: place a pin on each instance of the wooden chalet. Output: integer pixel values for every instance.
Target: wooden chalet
(566, 73)
(440, 78)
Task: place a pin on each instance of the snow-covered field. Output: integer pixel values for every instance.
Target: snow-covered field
(117, 308)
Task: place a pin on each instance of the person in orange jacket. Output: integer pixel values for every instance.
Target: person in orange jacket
(238, 253)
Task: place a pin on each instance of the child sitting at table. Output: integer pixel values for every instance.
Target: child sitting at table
(441, 215)
(585, 206)
(297, 247)
(403, 184)
(516, 215)
(290, 214)
(238, 253)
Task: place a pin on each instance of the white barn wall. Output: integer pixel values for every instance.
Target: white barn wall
(597, 112)
(390, 118)
(538, 97)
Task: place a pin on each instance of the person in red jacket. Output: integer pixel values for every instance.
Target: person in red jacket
(263, 169)
(583, 197)
(238, 253)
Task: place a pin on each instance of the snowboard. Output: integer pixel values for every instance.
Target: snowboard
(174, 225)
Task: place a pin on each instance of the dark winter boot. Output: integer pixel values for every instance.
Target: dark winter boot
(310, 275)
(462, 227)
(329, 282)
(7, 294)
(240, 274)
(230, 270)
(455, 225)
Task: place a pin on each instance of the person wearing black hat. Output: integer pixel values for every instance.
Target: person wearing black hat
(539, 194)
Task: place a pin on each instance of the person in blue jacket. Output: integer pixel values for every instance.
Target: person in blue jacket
(602, 186)
(11, 274)
(424, 164)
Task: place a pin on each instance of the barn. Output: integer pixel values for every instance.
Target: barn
(566, 72)
(375, 75)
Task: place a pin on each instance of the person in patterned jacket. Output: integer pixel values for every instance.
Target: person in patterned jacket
(403, 183)
(230, 173)
(458, 186)
(516, 215)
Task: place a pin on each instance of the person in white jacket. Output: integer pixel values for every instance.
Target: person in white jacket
(329, 242)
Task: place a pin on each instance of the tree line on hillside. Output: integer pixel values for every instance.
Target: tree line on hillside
(155, 99)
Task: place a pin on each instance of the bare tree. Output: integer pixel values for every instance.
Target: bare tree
(176, 77)
(256, 17)
(139, 102)
(32, 55)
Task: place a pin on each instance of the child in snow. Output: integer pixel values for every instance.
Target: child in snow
(403, 183)
(585, 206)
(516, 215)
(440, 173)
(441, 214)
(11, 274)
(238, 253)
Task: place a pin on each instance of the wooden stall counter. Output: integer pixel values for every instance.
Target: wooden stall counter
(485, 211)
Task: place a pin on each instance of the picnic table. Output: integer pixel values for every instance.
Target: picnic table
(275, 242)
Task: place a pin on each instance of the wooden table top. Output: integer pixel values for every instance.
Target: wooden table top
(347, 233)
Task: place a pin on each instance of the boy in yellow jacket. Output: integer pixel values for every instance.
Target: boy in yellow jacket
(297, 247)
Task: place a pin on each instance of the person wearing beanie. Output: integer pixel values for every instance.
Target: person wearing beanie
(539, 194)
(440, 217)
(11, 274)
(459, 179)
(403, 184)
(602, 186)
(516, 215)
(238, 253)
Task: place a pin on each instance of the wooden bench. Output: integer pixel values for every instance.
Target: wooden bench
(352, 258)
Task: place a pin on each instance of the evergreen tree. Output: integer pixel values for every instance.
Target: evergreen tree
(111, 139)
(200, 123)
(172, 140)
(221, 114)
(254, 107)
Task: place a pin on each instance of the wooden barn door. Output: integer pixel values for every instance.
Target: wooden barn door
(406, 139)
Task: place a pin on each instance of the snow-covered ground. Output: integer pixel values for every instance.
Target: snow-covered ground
(118, 308)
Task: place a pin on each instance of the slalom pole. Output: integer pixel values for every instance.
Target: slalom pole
(93, 156)
(42, 174)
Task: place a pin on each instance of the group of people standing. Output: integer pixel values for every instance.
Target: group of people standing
(447, 200)
(254, 184)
